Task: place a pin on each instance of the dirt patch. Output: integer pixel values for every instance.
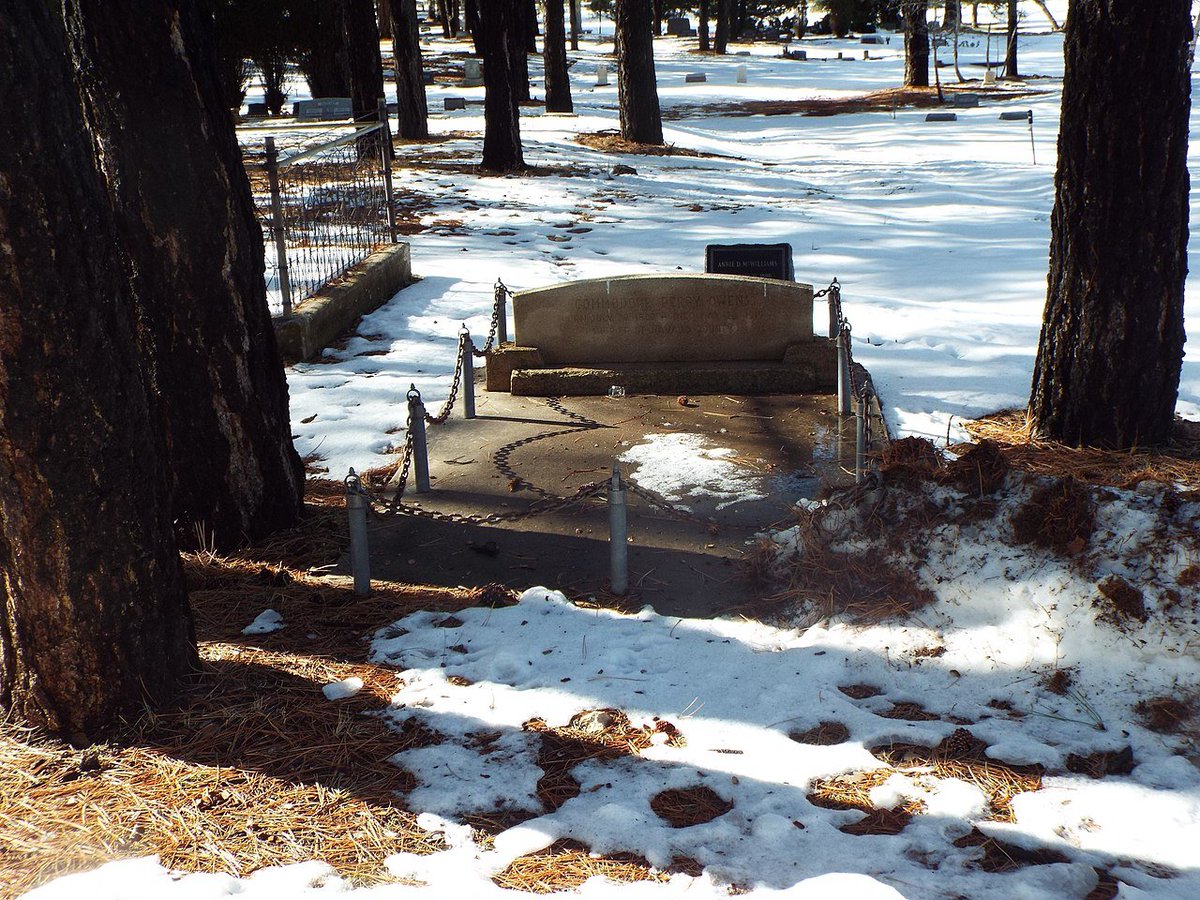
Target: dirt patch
(860, 691)
(877, 101)
(1059, 516)
(879, 822)
(1119, 601)
(1102, 763)
(565, 865)
(826, 734)
(684, 807)
(981, 470)
(1189, 577)
(1001, 856)
(1166, 715)
(1059, 681)
(612, 142)
(909, 712)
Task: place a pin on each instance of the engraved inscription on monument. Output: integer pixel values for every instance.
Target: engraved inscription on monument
(751, 260)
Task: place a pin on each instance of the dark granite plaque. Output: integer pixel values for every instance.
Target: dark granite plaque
(754, 260)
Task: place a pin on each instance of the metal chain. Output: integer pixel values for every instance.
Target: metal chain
(663, 505)
(498, 304)
(448, 406)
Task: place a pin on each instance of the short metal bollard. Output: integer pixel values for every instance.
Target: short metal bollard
(860, 441)
(468, 374)
(420, 453)
(502, 315)
(835, 310)
(360, 555)
(843, 363)
(618, 533)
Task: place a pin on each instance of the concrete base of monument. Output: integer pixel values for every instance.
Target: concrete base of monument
(731, 466)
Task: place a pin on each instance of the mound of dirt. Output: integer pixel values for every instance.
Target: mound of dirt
(1059, 516)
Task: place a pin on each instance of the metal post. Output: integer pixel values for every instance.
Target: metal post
(502, 315)
(385, 159)
(420, 453)
(843, 359)
(360, 557)
(278, 232)
(860, 440)
(1032, 145)
(468, 374)
(835, 309)
(618, 533)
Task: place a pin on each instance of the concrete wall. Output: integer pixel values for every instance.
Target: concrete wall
(322, 317)
(664, 318)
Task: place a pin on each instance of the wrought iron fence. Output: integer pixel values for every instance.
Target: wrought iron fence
(325, 203)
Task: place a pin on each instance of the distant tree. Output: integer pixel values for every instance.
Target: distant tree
(471, 21)
(916, 43)
(558, 79)
(724, 16)
(1041, 4)
(518, 51)
(1111, 349)
(321, 47)
(1010, 43)
(637, 84)
(361, 34)
(498, 20)
(94, 618)
(412, 108)
(576, 24)
(953, 14)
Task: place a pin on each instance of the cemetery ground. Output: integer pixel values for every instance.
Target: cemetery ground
(973, 677)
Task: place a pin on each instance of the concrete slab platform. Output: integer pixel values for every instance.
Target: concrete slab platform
(737, 464)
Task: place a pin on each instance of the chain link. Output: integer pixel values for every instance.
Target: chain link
(448, 406)
(502, 293)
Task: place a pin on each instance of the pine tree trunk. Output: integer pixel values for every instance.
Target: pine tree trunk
(659, 13)
(1010, 45)
(702, 26)
(531, 26)
(558, 81)
(94, 619)
(916, 44)
(498, 20)
(471, 15)
(721, 39)
(412, 109)
(362, 52)
(637, 84)
(323, 58)
(186, 217)
(518, 55)
(576, 24)
(953, 14)
(1040, 4)
(1111, 348)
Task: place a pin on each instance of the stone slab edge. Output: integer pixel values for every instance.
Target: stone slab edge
(322, 317)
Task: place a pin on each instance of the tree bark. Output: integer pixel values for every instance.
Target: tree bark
(94, 619)
(558, 80)
(501, 112)
(916, 43)
(531, 26)
(637, 84)
(471, 15)
(1010, 44)
(195, 253)
(518, 51)
(1111, 349)
(362, 53)
(412, 108)
(576, 24)
(702, 26)
(659, 12)
(953, 14)
(721, 39)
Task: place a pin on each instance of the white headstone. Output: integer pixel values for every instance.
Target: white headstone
(601, 75)
(741, 74)
(472, 72)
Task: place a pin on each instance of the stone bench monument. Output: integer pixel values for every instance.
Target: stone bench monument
(685, 333)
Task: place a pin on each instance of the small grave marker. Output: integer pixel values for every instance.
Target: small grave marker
(601, 75)
(427, 77)
(755, 260)
(323, 108)
(741, 74)
(695, 77)
(869, 39)
(256, 109)
(1016, 115)
(679, 26)
(966, 101)
(472, 73)
(454, 103)
(942, 117)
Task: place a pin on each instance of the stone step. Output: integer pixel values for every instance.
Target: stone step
(748, 378)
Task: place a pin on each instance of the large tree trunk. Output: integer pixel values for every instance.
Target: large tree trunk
(471, 17)
(362, 52)
(702, 26)
(637, 84)
(412, 109)
(953, 14)
(558, 80)
(322, 58)
(183, 206)
(724, 13)
(501, 112)
(1010, 44)
(518, 51)
(94, 621)
(916, 44)
(1111, 349)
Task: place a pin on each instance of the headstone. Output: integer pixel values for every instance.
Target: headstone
(427, 77)
(695, 77)
(472, 73)
(989, 77)
(755, 260)
(741, 74)
(454, 103)
(966, 101)
(866, 54)
(840, 55)
(1016, 115)
(679, 26)
(942, 117)
(256, 109)
(798, 54)
(869, 39)
(323, 108)
(601, 75)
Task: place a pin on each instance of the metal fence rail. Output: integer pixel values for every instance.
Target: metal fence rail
(325, 203)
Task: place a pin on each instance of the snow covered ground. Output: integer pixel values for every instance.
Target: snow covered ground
(939, 234)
